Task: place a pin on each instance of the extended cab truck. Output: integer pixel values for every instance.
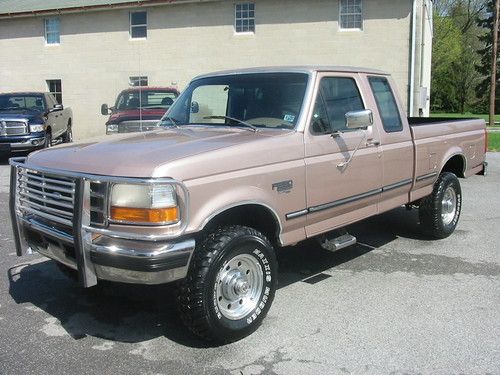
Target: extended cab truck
(247, 161)
(138, 109)
(32, 120)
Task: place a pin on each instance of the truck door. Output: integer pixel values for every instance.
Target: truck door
(396, 143)
(340, 192)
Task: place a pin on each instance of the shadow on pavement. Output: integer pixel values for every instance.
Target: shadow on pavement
(136, 313)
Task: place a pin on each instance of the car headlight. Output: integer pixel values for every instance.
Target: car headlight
(144, 204)
(112, 128)
(37, 128)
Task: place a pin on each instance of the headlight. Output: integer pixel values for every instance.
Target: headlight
(37, 128)
(144, 204)
(110, 129)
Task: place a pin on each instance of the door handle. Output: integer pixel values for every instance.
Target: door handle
(372, 142)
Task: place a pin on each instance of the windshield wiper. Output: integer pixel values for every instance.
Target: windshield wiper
(241, 122)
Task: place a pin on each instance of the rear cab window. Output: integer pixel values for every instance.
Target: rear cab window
(386, 104)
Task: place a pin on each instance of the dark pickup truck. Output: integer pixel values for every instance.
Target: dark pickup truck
(138, 109)
(32, 120)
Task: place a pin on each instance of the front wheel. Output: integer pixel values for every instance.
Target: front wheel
(440, 211)
(230, 285)
(68, 135)
(48, 139)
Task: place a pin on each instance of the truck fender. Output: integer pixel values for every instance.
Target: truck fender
(228, 199)
(454, 153)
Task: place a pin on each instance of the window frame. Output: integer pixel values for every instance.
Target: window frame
(47, 32)
(139, 79)
(319, 94)
(55, 94)
(131, 27)
(396, 103)
(248, 18)
(348, 29)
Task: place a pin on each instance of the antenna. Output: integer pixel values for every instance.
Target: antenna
(140, 91)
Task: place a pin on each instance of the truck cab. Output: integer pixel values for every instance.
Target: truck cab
(138, 109)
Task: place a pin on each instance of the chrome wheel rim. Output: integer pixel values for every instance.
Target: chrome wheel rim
(448, 205)
(239, 286)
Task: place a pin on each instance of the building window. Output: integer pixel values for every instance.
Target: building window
(55, 88)
(138, 81)
(52, 30)
(351, 14)
(244, 19)
(138, 25)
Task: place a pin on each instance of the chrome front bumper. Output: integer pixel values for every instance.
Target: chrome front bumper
(147, 260)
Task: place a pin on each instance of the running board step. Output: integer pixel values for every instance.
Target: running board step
(337, 243)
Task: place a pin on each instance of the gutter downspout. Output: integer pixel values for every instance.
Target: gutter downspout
(412, 57)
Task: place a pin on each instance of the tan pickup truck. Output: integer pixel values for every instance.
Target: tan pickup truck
(246, 161)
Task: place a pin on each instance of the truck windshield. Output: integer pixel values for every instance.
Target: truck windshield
(266, 100)
(145, 99)
(22, 102)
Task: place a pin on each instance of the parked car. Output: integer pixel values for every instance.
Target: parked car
(247, 161)
(32, 120)
(138, 109)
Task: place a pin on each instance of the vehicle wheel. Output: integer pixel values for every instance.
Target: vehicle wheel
(48, 139)
(440, 211)
(230, 285)
(68, 135)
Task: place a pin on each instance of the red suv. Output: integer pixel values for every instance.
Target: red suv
(138, 109)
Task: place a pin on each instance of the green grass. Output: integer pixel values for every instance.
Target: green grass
(494, 141)
(485, 117)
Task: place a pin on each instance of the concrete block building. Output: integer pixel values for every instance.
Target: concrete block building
(86, 52)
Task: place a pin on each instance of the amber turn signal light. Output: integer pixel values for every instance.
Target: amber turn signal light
(145, 215)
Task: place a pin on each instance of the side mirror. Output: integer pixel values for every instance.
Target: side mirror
(359, 119)
(104, 109)
(195, 107)
(57, 107)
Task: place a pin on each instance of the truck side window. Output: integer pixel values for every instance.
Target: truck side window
(386, 104)
(336, 97)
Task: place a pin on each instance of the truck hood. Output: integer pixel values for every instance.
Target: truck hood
(19, 114)
(162, 152)
(135, 114)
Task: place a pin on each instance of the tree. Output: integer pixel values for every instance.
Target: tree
(455, 54)
(484, 67)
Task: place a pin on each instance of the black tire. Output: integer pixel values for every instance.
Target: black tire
(199, 295)
(68, 135)
(436, 217)
(48, 139)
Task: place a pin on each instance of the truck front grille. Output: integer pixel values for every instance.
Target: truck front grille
(98, 204)
(13, 128)
(137, 126)
(48, 197)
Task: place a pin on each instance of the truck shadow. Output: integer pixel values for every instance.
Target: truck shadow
(135, 313)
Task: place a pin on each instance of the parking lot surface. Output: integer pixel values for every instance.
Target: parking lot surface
(396, 302)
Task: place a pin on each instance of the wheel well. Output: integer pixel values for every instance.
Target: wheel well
(456, 165)
(251, 215)
(69, 121)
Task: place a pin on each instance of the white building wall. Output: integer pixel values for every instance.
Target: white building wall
(96, 56)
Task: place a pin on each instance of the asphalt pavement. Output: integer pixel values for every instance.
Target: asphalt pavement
(395, 303)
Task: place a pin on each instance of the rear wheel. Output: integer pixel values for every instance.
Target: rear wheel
(230, 286)
(440, 211)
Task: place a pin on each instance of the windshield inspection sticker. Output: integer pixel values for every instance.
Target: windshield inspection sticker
(289, 118)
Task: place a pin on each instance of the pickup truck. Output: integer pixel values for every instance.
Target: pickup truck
(243, 163)
(138, 109)
(32, 120)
